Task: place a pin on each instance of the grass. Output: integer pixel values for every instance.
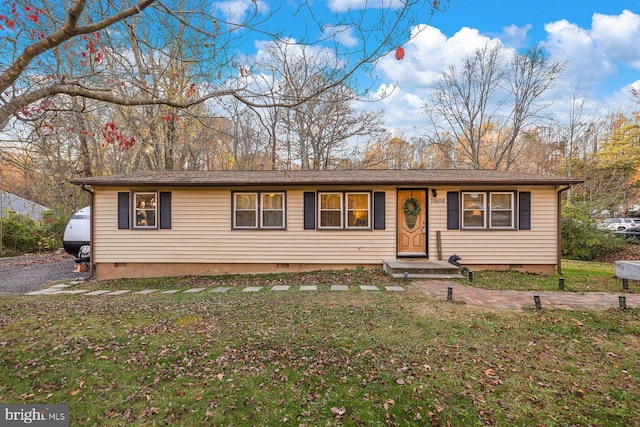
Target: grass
(317, 358)
(322, 279)
(579, 276)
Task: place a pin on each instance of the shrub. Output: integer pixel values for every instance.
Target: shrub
(581, 239)
(21, 234)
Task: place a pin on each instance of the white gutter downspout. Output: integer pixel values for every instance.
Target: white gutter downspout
(558, 229)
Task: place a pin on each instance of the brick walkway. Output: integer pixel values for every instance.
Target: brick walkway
(514, 300)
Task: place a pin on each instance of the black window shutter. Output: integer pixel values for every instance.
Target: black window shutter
(379, 210)
(309, 210)
(165, 210)
(123, 210)
(453, 210)
(524, 210)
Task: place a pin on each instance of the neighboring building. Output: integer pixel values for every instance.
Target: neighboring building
(176, 223)
(20, 205)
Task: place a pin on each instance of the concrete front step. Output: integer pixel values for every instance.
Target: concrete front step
(421, 269)
(426, 276)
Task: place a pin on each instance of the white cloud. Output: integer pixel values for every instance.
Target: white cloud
(622, 100)
(585, 61)
(618, 36)
(514, 36)
(428, 53)
(402, 109)
(237, 11)
(274, 52)
(342, 34)
(346, 5)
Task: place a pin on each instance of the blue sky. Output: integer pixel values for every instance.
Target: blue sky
(598, 40)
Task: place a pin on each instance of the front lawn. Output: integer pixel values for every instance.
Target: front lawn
(579, 276)
(317, 358)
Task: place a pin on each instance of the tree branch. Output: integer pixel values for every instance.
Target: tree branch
(68, 31)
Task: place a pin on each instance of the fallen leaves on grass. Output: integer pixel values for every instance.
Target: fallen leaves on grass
(338, 412)
(325, 277)
(320, 355)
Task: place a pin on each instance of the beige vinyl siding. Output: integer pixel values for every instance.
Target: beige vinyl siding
(535, 246)
(201, 233)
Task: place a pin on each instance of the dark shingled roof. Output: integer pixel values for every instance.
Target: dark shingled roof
(422, 177)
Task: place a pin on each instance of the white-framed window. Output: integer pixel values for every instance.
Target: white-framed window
(145, 213)
(502, 210)
(272, 208)
(245, 210)
(330, 208)
(340, 210)
(358, 210)
(473, 210)
(253, 210)
(488, 210)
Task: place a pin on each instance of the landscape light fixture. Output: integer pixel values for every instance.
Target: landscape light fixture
(536, 301)
(622, 300)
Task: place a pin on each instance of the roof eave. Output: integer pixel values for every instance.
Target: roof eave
(142, 183)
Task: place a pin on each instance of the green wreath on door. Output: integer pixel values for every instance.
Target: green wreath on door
(412, 206)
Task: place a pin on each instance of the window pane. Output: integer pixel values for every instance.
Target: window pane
(272, 201)
(272, 219)
(246, 200)
(358, 218)
(501, 219)
(357, 201)
(245, 218)
(501, 201)
(145, 209)
(330, 218)
(273, 210)
(246, 206)
(330, 201)
(473, 210)
(474, 218)
(473, 201)
(358, 210)
(502, 210)
(150, 216)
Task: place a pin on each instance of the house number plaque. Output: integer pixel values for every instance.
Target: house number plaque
(437, 200)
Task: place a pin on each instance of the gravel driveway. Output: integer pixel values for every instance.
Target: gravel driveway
(31, 272)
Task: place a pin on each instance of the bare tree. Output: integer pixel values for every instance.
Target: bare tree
(462, 103)
(33, 69)
(318, 132)
(325, 126)
(390, 152)
(487, 104)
